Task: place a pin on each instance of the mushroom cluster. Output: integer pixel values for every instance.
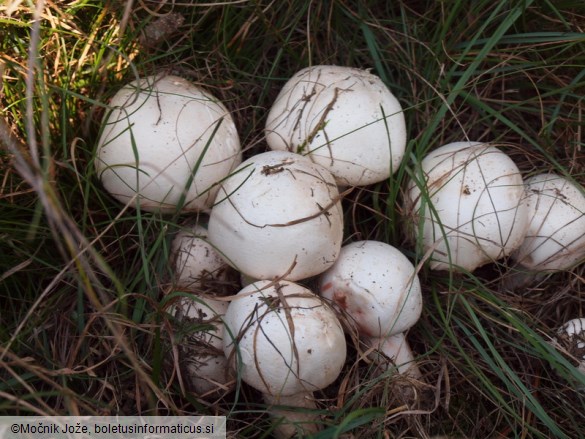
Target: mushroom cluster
(277, 220)
(471, 206)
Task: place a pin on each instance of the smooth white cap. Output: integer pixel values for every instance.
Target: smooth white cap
(277, 215)
(153, 137)
(556, 232)
(344, 118)
(283, 339)
(479, 214)
(376, 285)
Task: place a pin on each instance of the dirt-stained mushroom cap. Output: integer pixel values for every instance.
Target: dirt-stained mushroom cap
(283, 338)
(278, 215)
(376, 285)
(345, 119)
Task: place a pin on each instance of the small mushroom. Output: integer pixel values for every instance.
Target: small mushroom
(286, 342)
(198, 266)
(377, 286)
(344, 119)
(468, 207)
(166, 141)
(278, 216)
(202, 360)
(555, 238)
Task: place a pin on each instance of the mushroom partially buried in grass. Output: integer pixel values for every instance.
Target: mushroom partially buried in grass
(197, 265)
(200, 270)
(201, 330)
(555, 238)
(344, 119)
(572, 338)
(286, 342)
(166, 143)
(377, 286)
(467, 205)
(278, 216)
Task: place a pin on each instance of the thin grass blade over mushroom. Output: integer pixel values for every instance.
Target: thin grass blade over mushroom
(467, 205)
(165, 144)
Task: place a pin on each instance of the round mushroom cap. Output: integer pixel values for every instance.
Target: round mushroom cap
(472, 205)
(283, 338)
(167, 140)
(376, 285)
(197, 264)
(278, 215)
(201, 350)
(555, 239)
(344, 118)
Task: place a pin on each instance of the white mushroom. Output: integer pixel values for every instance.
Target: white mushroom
(286, 342)
(278, 215)
(468, 208)
(201, 349)
(377, 286)
(198, 266)
(345, 119)
(556, 232)
(167, 140)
